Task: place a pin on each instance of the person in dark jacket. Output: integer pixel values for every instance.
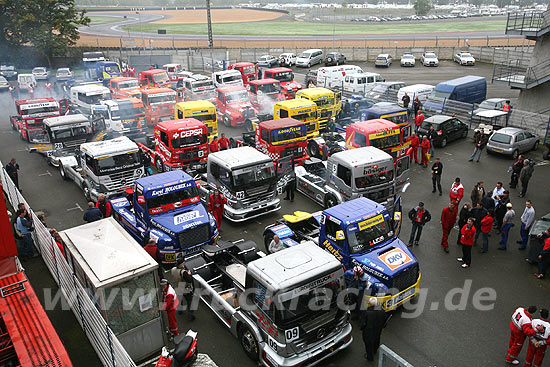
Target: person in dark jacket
(525, 175)
(478, 212)
(544, 256)
(480, 140)
(406, 100)
(373, 320)
(437, 170)
(431, 134)
(477, 194)
(103, 205)
(12, 169)
(187, 286)
(488, 202)
(500, 209)
(516, 169)
(463, 216)
(92, 214)
(419, 216)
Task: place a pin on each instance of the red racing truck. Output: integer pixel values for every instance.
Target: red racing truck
(289, 86)
(178, 144)
(31, 113)
(248, 70)
(234, 107)
(159, 104)
(264, 93)
(154, 78)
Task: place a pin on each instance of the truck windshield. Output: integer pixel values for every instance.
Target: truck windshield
(188, 141)
(249, 70)
(236, 97)
(128, 113)
(439, 95)
(207, 117)
(397, 119)
(118, 162)
(269, 88)
(287, 76)
(172, 200)
(162, 98)
(128, 84)
(71, 132)
(201, 86)
(112, 69)
(374, 179)
(385, 142)
(38, 109)
(304, 116)
(288, 133)
(232, 78)
(160, 77)
(368, 233)
(253, 175)
(324, 102)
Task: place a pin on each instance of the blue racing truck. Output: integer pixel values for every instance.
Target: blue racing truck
(167, 207)
(361, 233)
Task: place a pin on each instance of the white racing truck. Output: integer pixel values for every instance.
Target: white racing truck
(106, 167)
(283, 308)
(197, 87)
(227, 78)
(83, 97)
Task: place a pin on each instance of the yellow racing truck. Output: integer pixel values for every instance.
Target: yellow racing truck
(204, 111)
(328, 103)
(299, 109)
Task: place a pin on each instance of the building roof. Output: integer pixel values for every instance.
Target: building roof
(108, 147)
(280, 123)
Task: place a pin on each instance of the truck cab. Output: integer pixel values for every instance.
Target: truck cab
(234, 107)
(172, 70)
(393, 113)
(167, 207)
(198, 87)
(104, 71)
(204, 111)
(276, 328)
(155, 78)
(299, 109)
(178, 144)
(120, 117)
(360, 233)
(125, 87)
(282, 138)
(227, 78)
(83, 97)
(285, 76)
(159, 104)
(248, 70)
(328, 103)
(247, 178)
(264, 94)
(32, 112)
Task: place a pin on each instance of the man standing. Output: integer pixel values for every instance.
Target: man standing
(544, 256)
(418, 120)
(92, 213)
(467, 234)
(406, 100)
(12, 169)
(153, 250)
(416, 106)
(437, 169)
(525, 176)
(431, 134)
(478, 192)
(480, 140)
(539, 341)
(372, 322)
(214, 146)
(478, 212)
(419, 216)
(486, 226)
(275, 245)
(415, 143)
(103, 205)
(425, 150)
(358, 284)
(224, 142)
(187, 284)
(498, 192)
(457, 191)
(506, 226)
(507, 107)
(170, 303)
(520, 327)
(448, 219)
(25, 227)
(527, 219)
(216, 203)
(516, 169)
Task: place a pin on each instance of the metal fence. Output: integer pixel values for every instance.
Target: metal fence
(108, 348)
(388, 358)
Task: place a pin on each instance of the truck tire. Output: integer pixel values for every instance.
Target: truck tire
(249, 343)
(87, 193)
(313, 149)
(62, 172)
(159, 165)
(226, 121)
(248, 126)
(330, 201)
(268, 237)
(12, 120)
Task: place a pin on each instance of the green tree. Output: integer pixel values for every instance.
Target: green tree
(49, 25)
(422, 7)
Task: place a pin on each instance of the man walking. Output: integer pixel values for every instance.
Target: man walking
(525, 175)
(480, 141)
(415, 143)
(448, 219)
(437, 169)
(467, 234)
(12, 169)
(419, 216)
(457, 191)
(92, 213)
(425, 150)
(520, 327)
(372, 322)
(506, 226)
(516, 169)
(538, 342)
(527, 219)
(486, 226)
(170, 303)
(216, 203)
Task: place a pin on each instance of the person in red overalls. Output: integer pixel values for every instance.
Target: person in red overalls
(539, 341)
(214, 146)
(457, 191)
(418, 120)
(170, 302)
(467, 234)
(425, 149)
(216, 201)
(223, 142)
(415, 143)
(448, 219)
(131, 72)
(49, 88)
(520, 327)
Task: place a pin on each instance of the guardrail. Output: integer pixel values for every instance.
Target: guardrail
(528, 23)
(388, 358)
(519, 75)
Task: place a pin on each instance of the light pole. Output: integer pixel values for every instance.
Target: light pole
(141, 31)
(209, 19)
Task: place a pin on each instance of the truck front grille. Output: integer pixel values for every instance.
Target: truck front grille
(379, 196)
(74, 143)
(120, 180)
(291, 151)
(310, 126)
(189, 155)
(194, 236)
(257, 195)
(405, 279)
(313, 336)
(325, 114)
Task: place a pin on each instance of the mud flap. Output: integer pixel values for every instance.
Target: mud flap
(397, 216)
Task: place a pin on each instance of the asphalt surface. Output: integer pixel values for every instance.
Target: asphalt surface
(437, 336)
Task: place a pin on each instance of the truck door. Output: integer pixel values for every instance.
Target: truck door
(397, 219)
(402, 169)
(63, 107)
(333, 239)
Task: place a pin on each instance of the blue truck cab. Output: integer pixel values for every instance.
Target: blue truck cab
(167, 207)
(103, 71)
(361, 233)
(467, 89)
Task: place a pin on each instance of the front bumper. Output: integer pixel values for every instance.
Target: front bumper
(240, 215)
(390, 303)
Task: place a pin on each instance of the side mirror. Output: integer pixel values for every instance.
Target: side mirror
(141, 199)
(405, 187)
(397, 216)
(340, 236)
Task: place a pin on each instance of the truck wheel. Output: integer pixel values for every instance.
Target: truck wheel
(87, 193)
(313, 149)
(248, 126)
(267, 240)
(226, 121)
(330, 201)
(159, 165)
(249, 343)
(62, 172)
(13, 124)
(308, 64)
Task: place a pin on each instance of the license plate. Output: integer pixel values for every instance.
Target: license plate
(393, 301)
(170, 257)
(497, 150)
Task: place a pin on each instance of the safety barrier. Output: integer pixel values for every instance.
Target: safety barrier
(388, 358)
(108, 348)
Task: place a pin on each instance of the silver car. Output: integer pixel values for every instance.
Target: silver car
(512, 141)
(4, 85)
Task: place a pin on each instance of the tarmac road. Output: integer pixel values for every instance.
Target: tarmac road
(438, 336)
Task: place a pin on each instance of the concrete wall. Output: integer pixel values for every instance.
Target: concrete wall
(537, 98)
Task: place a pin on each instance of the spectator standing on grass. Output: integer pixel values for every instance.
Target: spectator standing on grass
(467, 234)
(12, 169)
(437, 170)
(477, 194)
(92, 214)
(525, 175)
(516, 169)
(486, 226)
(480, 141)
(419, 216)
(457, 191)
(527, 219)
(506, 226)
(415, 143)
(463, 216)
(544, 255)
(425, 151)
(448, 220)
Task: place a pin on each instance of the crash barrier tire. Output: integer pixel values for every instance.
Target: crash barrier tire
(249, 343)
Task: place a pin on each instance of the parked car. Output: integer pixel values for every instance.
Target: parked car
(40, 73)
(512, 141)
(496, 104)
(8, 71)
(4, 84)
(448, 128)
(287, 59)
(308, 58)
(464, 58)
(334, 58)
(63, 74)
(384, 90)
(267, 61)
(383, 60)
(429, 59)
(408, 59)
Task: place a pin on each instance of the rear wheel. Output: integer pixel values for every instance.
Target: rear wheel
(249, 343)
(87, 193)
(443, 142)
(159, 165)
(62, 172)
(515, 154)
(226, 121)
(330, 201)
(313, 149)
(536, 146)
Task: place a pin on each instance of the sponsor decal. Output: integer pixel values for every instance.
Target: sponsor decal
(187, 216)
(371, 222)
(313, 284)
(370, 270)
(382, 134)
(170, 189)
(335, 251)
(185, 134)
(289, 130)
(395, 259)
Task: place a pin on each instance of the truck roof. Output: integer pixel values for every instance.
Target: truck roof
(381, 110)
(264, 81)
(280, 123)
(231, 88)
(315, 92)
(90, 88)
(296, 103)
(294, 265)
(157, 90)
(65, 120)
(360, 156)
(36, 100)
(239, 157)
(242, 64)
(186, 123)
(375, 124)
(195, 104)
(153, 71)
(107, 147)
(122, 79)
(355, 210)
(278, 70)
(164, 179)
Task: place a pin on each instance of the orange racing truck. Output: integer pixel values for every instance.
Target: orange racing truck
(248, 70)
(289, 86)
(124, 87)
(159, 104)
(31, 113)
(154, 78)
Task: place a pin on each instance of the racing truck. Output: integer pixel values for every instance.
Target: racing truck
(285, 76)
(197, 87)
(83, 97)
(178, 144)
(32, 112)
(248, 70)
(328, 103)
(247, 178)
(124, 116)
(108, 167)
(264, 94)
(159, 104)
(154, 78)
(124, 87)
(226, 78)
(204, 111)
(276, 328)
(361, 233)
(234, 107)
(167, 207)
(300, 109)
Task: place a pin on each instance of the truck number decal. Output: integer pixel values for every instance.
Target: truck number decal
(272, 343)
(58, 145)
(292, 334)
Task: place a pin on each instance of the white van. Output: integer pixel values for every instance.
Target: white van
(361, 82)
(308, 58)
(329, 76)
(420, 90)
